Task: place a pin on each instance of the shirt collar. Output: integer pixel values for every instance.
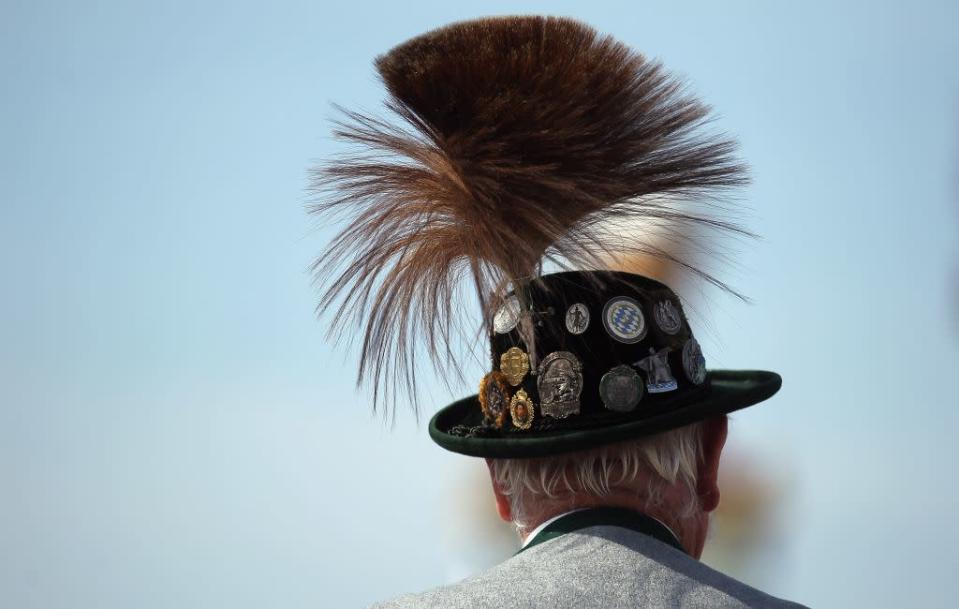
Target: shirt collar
(546, 523)
(600, 516)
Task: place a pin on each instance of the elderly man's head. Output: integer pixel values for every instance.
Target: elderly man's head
(671, 476)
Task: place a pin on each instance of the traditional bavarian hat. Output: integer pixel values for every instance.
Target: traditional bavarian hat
(516, 143)
(616, 359)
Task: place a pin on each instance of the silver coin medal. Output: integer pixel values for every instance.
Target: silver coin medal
(507, 316)
(624, 320)
(621, 389)
(694, 364)
(659, 379)
(577, 318)
(667, 317)
(560, 383)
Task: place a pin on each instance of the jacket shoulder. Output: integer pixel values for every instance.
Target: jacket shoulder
(600, 566)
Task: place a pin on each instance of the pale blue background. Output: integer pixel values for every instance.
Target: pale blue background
(175, 433)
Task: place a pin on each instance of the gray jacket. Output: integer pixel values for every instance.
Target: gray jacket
(599, 565)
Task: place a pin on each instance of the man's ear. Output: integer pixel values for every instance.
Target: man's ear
(707, 480)
(502, 502)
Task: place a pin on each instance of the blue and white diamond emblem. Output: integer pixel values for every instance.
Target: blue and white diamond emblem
(624, 320)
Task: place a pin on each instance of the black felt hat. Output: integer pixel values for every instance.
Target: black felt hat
(614, 359)
(513, 144)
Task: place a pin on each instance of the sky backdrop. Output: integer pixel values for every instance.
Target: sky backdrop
(176, 433)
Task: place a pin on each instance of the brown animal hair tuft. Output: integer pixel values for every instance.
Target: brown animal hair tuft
(513, 142)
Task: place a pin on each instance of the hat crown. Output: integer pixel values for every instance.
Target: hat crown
(601, 346)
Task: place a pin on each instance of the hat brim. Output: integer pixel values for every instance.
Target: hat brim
(728, 390)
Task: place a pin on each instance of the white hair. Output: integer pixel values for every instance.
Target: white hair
(661, 459)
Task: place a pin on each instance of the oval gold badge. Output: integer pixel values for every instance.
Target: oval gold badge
(494, 398)
(514, 364)
(521, 410)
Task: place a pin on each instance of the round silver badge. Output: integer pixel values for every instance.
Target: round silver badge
(624, 319)
(667, 317)
(508, 315)
(621, 389)
(694, 364)
(577, 318)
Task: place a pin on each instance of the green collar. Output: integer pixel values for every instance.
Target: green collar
(606, 516)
